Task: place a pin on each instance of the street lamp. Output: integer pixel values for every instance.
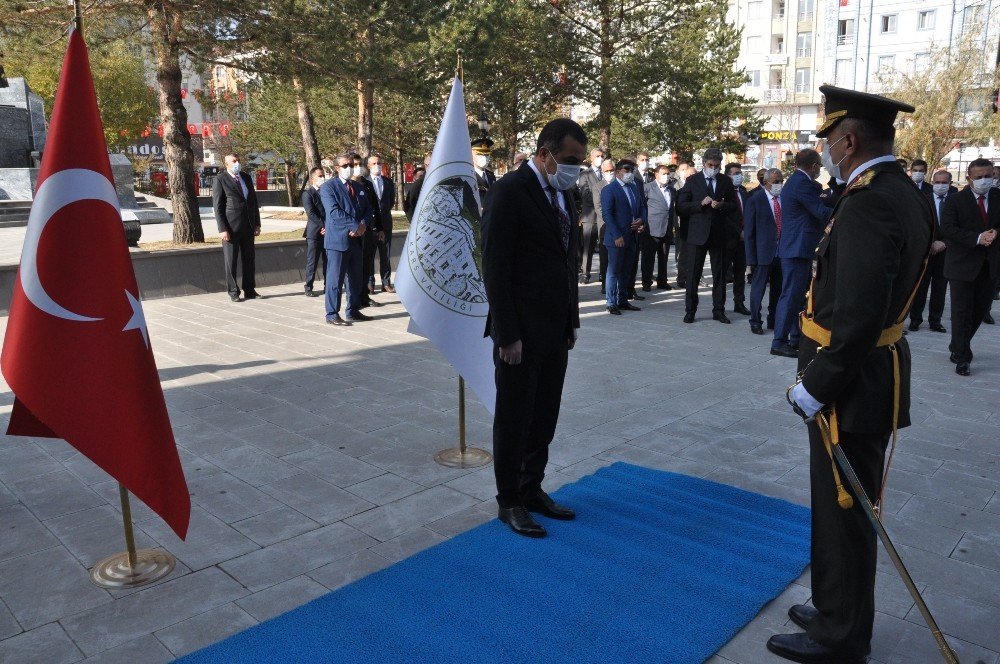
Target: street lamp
(789, 156)
(484, 123)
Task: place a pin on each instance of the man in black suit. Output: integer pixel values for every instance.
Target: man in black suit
(529, 270)
(411, 192)
(359, 175)
(970, 221)
(315, 219)
(589, 180)
(238, 217)
(385, 198)
(708, 198)
(681, 255)
(736, 249)
(934, 280)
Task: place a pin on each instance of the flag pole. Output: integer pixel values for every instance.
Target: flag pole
(462, 456)
(133, 567)
(78, 15)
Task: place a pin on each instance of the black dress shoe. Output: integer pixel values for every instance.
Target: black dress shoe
(938, 327)
(953, 358)
(235, 298)
(253, 296)
(721, 317)
(785, 351)
(614, 311)
(800, 648)
(689, 317)
(544, 505)
(372, 303)
(963, 369)
(603, 292)
(802, 615)
(521, 522)
(646, 289)
(741, 309)
(988, 319)
(358, 317)
(311, 293)
(635, 296)
(756, 329)
(628, 306)
(586, 279)
(337, 320)
(913, 327)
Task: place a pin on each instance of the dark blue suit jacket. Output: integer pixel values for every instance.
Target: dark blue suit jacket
(760, 232)
(618, 213)
(315, 216)
(804, 216)
(343, 213)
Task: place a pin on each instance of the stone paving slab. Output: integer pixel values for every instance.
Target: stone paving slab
(309, 455)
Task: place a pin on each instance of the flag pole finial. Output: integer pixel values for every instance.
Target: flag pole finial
(78, 15)
(460, 70)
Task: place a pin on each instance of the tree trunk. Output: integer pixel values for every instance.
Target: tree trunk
(309, 144)
(165, 27)
(605, 97)
(399, 166)
(291, 188)
(366, 104)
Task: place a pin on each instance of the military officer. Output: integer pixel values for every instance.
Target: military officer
(481, 150)
(866, 271)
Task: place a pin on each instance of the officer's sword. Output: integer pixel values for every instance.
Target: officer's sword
(852, 478)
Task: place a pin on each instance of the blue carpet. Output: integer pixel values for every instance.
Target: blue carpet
(657, 567)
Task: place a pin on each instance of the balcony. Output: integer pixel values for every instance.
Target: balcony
(844, 40)
(775, 94)
(804, 53)
(775, 59)
(802, 88)
(805, 17)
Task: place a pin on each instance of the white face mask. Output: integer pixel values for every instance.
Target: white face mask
(663, 179)
(482, 161)
(941, 189)
(376, 170)
(235, 168)
(359, 171)
(565, 176)
(597, 162)
(918, 177)
(982, 185)
(776, 188)
(319, 182)
(737, 179)
(710, 172)
(642, 166)
(608, 175)
(832, 168)
(345, 172)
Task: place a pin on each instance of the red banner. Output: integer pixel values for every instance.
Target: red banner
(261, 182)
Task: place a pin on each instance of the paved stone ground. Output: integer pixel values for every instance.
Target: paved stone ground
(308, 451)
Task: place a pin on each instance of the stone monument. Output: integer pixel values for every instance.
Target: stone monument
(22, 140)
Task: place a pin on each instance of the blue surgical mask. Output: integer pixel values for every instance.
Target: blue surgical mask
(565, 176)
(827, 158)
(628, 178)
(235, 168)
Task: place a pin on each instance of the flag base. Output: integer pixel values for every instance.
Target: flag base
(116, 572)
(456, 457)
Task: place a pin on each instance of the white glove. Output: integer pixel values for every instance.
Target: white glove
(805, 401)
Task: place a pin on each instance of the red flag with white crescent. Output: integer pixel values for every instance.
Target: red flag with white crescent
(76, 352)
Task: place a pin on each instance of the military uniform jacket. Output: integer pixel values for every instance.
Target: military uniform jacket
(866, 267)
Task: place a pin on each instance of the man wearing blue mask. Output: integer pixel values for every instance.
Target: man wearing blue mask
(529, 270)
(237, 215)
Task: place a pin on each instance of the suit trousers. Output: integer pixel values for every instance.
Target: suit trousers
(240, 249)
(970, 300)
(369, 247)
(716, 251)
(654, 250)
(602, 254)
(844, 544)
(795, 276)
(588, 245)
(524, 421)
(614, 286)
(739, 263)
(315, 253)
(682, 258)
(935, 282)
(384, 266)
(765, 277)
(343, 268)
(632, 264)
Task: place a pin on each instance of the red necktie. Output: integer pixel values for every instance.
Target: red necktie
(777, 215)
(350, 188)
(982, 211)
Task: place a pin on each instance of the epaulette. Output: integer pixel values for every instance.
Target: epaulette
(863, 181)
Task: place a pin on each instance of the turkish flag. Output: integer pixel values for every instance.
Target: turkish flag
(77, 353)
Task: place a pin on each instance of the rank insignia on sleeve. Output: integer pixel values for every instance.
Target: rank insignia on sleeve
(863, 181)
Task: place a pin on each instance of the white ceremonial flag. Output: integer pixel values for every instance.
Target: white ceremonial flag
(439, 278)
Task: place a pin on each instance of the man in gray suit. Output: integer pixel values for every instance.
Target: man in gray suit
(662, 218)
(589, 178)
(607, 175)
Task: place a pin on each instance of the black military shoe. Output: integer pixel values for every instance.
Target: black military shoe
(741, 308)
(785, 351)
(521, 522)
(614, 311)
(721, 317)
(802, 615)
(628, 306)
(756, 329)
(543, 504)
(800, 648)
(636, 296)
(689, 317)
(963, 369)
(938, 327)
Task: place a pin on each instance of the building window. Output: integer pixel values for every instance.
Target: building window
(753, 44)
(888, 24)
(777, 44)
(921, 62)
(779, 8)
(753, 78)
(886, 62)
(843, 72)
(804, 45)
(805, 10)
(845, 31)
(220, 71)
(777, 78)
(754, 9)
(925, 20)
(803, 80)
(972, 16)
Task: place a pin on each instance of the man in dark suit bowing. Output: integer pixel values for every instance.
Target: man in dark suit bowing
(529, 270)
(238, 218)
(970, 222)
(761, 230)
(348, 211)
(315, 220)
(385, 199)
(708, 199)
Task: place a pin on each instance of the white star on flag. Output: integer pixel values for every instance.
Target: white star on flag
(138, 319)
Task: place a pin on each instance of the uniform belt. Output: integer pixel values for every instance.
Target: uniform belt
(822, 336)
